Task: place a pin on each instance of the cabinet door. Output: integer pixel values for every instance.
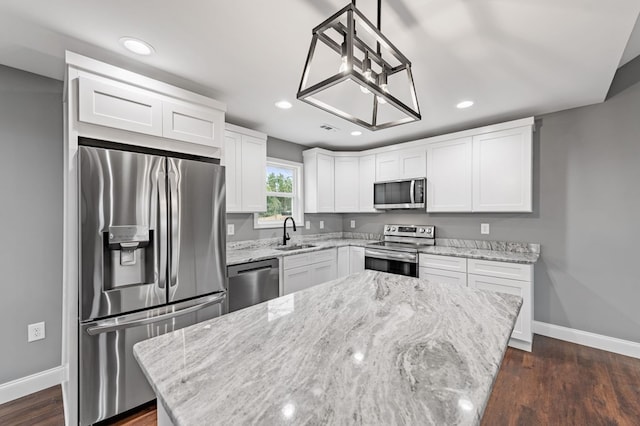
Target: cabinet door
(232, 161)
(192, 124)
(254, 174)
(449, 170)
(297, 279)
(120, 106)
(387, 166)
(323, 272)
(356, 260)
(502, 171)
(413, 163)
(325, 183)
(367, 171)
(522, 330)
(346, 184)
(343, 261)
(444, 277)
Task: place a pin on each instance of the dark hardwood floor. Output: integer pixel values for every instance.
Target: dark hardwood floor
(558, 383)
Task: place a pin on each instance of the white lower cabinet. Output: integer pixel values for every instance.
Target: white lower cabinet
(350, 260)
(522, 330)
(356, 260)
(302, 271)
(489, 275)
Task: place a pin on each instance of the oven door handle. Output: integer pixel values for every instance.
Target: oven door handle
(412, 191)
(138, 319)
(387, 255)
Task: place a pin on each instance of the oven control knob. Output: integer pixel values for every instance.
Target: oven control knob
(421, 230)
(388, 229)
(393, 229)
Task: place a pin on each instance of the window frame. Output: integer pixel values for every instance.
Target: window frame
(297, 197)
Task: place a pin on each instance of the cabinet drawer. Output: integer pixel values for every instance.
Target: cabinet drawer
(448, 263)
(444, 277)
(508, 270)
(304, 259)
(522, 330)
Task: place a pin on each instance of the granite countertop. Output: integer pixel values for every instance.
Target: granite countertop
(484, 254)
(370, 348)
(238, 255)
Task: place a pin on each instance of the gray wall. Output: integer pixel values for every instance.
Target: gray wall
(31, 216)
(586, 201)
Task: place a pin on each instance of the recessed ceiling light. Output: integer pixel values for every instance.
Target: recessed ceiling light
(137, 46)
(283, 104)
(464, 104)
(356, 133)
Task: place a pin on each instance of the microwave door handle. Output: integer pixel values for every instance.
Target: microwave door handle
(412, 192)
(135, 320)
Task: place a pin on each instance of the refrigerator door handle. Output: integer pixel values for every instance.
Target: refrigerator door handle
(138, 319)
(161, 240)
(174, 221)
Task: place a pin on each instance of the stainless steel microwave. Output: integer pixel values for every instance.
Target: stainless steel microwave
(400, 194)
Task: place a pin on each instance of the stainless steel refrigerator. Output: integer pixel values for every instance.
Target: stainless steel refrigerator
(152, 260)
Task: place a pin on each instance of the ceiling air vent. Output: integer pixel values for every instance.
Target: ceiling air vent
(329, 128)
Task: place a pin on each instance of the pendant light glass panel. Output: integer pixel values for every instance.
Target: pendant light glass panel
(342, 74)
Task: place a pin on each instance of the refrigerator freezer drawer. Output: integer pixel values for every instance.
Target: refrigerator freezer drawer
(111, 381)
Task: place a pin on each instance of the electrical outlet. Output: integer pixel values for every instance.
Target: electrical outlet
(322, 224)
(307, 224)
(35, 332)
(484, 228)
(353, 223)
(231, 229)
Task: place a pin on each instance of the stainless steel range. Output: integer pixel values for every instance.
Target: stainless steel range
(397, 253)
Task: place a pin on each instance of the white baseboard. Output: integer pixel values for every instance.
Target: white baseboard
(585, 338)
(27, 385)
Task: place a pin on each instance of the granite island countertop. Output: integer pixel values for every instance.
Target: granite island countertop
(370, 348)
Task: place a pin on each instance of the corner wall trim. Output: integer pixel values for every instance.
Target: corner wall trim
(27, 385)
(585, 338)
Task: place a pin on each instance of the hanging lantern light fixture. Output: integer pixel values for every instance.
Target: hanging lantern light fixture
(353, 71)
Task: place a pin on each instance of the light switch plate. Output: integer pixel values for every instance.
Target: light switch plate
(307, 224)
(353, 223)
(322, 224)
(484, 228)
(231, 229)
(35, 332)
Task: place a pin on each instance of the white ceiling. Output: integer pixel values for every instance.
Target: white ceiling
(514, 58)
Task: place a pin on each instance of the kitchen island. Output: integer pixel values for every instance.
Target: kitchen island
(370, 348)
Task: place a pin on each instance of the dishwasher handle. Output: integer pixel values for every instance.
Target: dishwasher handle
(245, 268)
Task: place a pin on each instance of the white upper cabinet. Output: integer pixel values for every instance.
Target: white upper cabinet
(119, 105)
(502, 171)
(401, 164)
(193, 124)
(245, 161)
(318, 182)
(367, 172)
(347, 186)
(449, 180)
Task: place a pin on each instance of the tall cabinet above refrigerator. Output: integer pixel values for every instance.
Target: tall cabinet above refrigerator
(152, 260)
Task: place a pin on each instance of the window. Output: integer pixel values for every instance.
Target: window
(284, 194)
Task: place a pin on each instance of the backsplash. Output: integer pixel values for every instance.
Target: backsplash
(243, 223)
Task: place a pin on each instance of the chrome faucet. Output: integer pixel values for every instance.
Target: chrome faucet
(285, 235)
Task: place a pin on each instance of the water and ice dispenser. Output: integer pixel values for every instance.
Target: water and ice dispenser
(128, 256)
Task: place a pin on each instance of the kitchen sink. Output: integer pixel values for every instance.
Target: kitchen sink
(294, 247)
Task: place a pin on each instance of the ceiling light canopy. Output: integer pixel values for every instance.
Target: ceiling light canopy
(283, 104)
(355, 72)
(464, 104)
(137, 46)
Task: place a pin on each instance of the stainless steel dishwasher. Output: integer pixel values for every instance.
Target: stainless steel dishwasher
(252, 283)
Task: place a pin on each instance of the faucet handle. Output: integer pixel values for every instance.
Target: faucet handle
(288, 237)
